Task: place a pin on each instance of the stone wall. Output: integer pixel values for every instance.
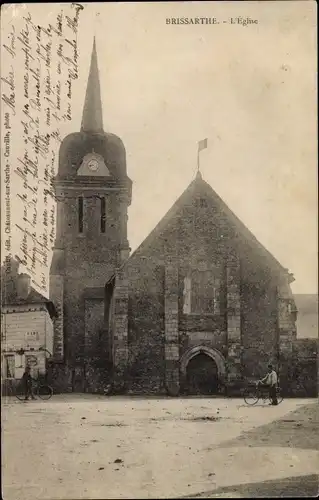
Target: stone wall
(146, 329)
(94, 321)
(234, 340)
(286, 330)
(96, 345)
(60, 377)
(302, 368)
(120, 323)
(57, 297)
(259, 328)
(172, 344)
(79, 278)
(90, 259)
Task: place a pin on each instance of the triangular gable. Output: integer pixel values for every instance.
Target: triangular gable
(197, 186)
(93, 165)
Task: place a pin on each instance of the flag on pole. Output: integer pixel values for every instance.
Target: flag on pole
(202, 145)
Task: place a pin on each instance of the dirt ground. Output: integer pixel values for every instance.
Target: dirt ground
(83, 446)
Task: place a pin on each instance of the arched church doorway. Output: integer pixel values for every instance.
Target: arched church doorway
(201, 375)
(202, 370)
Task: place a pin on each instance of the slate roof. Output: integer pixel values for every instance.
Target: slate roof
(34, 297)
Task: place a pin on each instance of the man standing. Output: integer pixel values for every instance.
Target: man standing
(271, 380)
(27, 384)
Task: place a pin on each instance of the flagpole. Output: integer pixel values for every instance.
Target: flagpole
(200, 146)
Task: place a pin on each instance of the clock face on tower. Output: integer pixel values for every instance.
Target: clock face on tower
(93, 164)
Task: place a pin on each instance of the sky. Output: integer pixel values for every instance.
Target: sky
(251, 90)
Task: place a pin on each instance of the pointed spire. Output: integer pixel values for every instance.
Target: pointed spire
(92, 120)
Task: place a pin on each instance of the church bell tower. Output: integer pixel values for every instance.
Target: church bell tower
(93, 193)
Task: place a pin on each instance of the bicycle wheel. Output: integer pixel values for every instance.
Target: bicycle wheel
(251, 397)
(45, 392)
(279, 396)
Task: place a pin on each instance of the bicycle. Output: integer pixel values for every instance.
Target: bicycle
(253, 394)
(43, 391)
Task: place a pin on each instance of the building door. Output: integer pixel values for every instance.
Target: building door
(202, 375)
(8, 366)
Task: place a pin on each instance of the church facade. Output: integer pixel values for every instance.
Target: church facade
(202, 292)
(199, 305)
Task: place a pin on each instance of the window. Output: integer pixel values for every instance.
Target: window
(80, 213)
(202, 297)
(32, 336)
(201, 293)
(202, 203)
(187, 293)
(9, 365)
(103, 215)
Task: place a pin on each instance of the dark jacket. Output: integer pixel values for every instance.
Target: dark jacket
(26, 379)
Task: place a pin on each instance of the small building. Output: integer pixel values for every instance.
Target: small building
(26, 330)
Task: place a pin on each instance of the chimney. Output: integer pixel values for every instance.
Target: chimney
(23, 286)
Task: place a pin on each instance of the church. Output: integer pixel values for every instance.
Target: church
(199, 305)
